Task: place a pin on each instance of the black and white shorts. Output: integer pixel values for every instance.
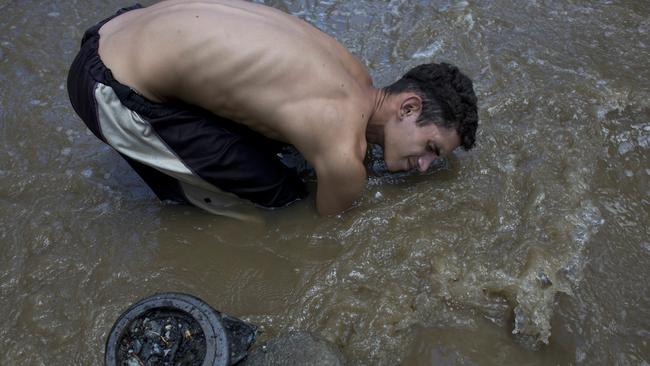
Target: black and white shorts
(182, 152)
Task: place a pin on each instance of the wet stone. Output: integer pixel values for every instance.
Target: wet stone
(296, 348)
(162, 337)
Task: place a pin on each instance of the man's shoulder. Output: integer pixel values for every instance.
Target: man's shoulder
(341, 173)
(341, 146)
(336, 126)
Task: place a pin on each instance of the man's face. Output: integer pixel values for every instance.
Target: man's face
(408, 146)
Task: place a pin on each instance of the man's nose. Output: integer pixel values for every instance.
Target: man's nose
(425, 161)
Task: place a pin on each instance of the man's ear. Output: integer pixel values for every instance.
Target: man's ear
(412, 103)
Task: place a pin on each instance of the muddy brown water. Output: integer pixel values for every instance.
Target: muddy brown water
(533, 248)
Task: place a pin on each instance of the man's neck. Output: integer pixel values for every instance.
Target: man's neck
(378, 117)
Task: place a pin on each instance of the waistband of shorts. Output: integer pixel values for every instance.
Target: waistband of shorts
(102, 74)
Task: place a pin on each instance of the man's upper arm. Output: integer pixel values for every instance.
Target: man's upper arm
(341, 180)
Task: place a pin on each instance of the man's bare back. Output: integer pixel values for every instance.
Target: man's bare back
(257, 66)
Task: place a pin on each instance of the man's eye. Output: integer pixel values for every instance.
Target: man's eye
(433, 149)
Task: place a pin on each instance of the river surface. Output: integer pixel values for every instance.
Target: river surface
(531, 249)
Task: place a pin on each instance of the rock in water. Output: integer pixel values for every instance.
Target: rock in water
(296, 348)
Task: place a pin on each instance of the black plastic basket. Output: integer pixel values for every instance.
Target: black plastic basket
(226, 338)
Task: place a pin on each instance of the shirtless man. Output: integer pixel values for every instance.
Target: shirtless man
(199, 95)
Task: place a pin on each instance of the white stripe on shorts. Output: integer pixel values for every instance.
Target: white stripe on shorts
(127, 132)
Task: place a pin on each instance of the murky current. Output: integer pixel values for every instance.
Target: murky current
(533, 248)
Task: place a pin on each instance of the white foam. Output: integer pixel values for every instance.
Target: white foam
(459, 5)
(625, 147)
(429, 51)
(470, 21)
(644, 141)
(393, 7)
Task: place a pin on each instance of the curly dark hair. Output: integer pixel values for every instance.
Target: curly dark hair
(448, 98)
